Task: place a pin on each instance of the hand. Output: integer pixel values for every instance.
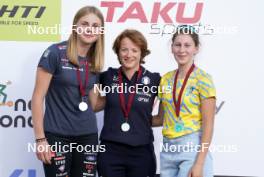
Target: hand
(196, 171)
(45, 154)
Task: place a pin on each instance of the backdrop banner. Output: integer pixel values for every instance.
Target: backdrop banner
(231, 42)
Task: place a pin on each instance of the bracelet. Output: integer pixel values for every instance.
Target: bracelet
(38, 140)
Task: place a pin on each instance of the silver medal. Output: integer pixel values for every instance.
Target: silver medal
(125, 127)
(83, 106)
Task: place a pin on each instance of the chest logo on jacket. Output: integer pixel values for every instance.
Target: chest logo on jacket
(145, 80)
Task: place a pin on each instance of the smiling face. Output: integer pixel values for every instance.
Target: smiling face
(88, 28)
(129, 54)
(184, 49)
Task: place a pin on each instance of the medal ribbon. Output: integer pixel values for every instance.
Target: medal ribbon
(177, 103)
(81, 86)
(127, 108)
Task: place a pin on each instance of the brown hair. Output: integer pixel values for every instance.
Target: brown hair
(137, 38)
(96, 52)
(187, 29)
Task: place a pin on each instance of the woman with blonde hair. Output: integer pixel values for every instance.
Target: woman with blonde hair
(66, 74)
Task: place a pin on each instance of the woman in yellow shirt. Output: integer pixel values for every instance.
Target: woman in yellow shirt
(187, 111)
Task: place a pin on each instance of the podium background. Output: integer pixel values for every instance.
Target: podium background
(234, 59)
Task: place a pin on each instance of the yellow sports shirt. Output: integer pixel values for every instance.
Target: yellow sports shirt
(199, 86)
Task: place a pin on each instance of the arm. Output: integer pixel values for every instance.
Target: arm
(97, 101)
(157, 120)
(43, 79)
(208, 111)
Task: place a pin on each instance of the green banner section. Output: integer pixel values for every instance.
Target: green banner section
(30, 20)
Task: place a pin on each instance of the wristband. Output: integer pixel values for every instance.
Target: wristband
(38, 140)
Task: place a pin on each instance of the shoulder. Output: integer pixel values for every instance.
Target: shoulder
(110, 71)
(168, 76)
(106, 76)
(205, 84)
(201, 74)
(56, 48)
(152, 75)
(59, 46)
(204, 80)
